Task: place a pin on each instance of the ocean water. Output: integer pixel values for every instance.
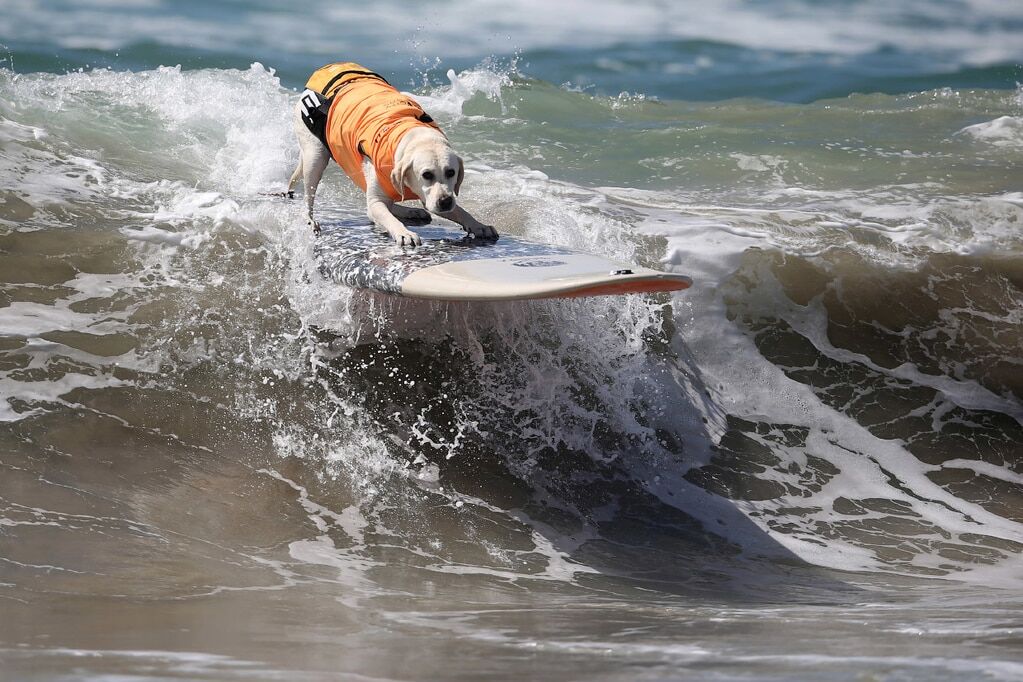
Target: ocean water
(216, 465)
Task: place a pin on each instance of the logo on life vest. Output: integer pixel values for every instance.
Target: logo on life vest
(537, 262)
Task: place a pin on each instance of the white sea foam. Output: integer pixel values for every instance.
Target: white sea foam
(758, 163)
(32, 321)
(49, 391)
(462, 87)
(25, 319)
(1004, 131)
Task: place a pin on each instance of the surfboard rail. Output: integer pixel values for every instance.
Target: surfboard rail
(440, 283)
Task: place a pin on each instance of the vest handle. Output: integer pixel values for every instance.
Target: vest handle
(342, 74)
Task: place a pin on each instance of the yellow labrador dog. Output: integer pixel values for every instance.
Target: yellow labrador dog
(386, 144)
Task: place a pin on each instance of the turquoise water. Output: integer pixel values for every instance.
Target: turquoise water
(798, 51)
(216, 465)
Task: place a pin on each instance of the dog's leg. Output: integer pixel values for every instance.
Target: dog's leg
(412, 214)
(380, 209)
(380, 213)
(312, 171)
(313, 160)
(470, 224)
(296, 176)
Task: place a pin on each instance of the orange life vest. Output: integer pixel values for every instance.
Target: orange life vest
(367, 116)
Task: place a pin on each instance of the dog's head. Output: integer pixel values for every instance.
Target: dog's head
(432, 171)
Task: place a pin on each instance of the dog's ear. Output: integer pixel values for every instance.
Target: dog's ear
(461, 175)
(398, 176)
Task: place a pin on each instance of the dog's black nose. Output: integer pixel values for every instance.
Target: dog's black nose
(446, 204)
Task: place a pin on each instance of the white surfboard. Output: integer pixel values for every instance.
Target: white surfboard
(449, 266)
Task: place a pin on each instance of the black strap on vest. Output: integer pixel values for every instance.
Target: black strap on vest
(316, 107)
(342, 74)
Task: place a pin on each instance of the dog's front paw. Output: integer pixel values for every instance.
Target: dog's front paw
(287, 194)
(314, 225)
(481, 231)
(406, 238)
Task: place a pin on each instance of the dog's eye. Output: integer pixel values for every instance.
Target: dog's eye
(427, 175)
(449, 173)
